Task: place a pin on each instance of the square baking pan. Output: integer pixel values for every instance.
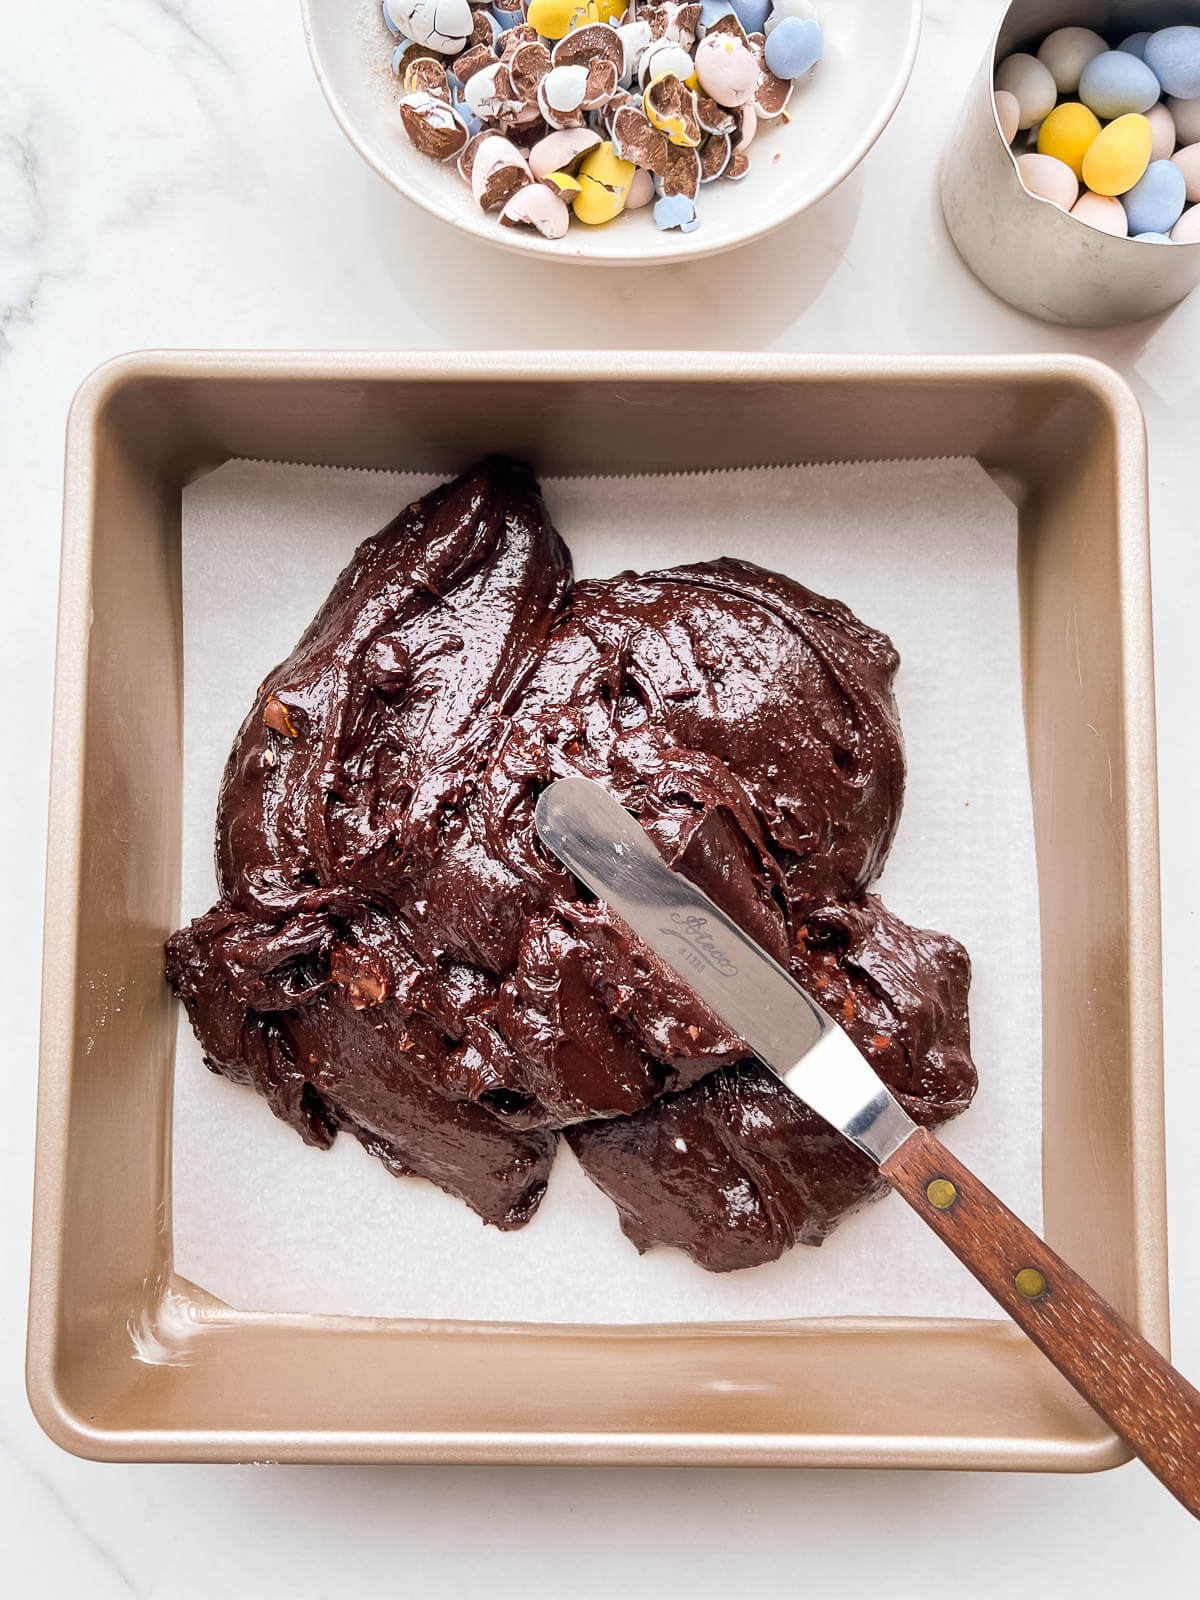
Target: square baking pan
(129, 1362)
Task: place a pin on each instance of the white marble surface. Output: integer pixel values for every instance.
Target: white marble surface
(169, 176)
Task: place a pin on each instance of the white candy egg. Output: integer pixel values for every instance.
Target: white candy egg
(444, 25)
(803, 9)
(1066, 52)
(1025, 76)
(479, 91)
(662, 58)
(564, 88)
(635, 41)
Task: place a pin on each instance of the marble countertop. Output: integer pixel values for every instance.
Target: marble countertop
(169, 175)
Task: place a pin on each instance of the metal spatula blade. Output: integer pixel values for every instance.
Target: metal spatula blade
(607, 850)
(1127, 1381)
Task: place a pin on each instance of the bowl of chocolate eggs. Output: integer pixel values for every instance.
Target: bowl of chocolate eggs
(1072, 185)
(613, 131)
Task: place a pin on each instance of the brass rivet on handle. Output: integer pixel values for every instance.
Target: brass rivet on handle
(1030, 1283)
(940, 1192)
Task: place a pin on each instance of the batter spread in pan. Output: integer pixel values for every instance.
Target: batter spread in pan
(393, 952)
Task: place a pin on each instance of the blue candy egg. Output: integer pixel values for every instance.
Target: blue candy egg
(1155, 203)
(387, 20)
(752, 14)
(675, 211)
(1135, 45)
(794, 47)
(1173, 55)
(1114, 84)
(712, 11)
(505, 20)
(1151, 238)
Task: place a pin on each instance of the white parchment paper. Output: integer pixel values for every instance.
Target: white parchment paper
(924, 550)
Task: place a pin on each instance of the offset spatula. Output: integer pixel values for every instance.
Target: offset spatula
(1137, 1392)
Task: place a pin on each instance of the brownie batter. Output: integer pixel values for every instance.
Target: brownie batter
(395, 954)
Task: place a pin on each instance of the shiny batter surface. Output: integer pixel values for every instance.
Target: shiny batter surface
(395, 954)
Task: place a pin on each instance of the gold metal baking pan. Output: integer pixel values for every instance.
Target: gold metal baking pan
(1065, 438)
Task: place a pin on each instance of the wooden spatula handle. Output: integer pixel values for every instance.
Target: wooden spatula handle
(1153, 1407)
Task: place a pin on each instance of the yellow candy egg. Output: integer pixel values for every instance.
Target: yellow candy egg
(604, 181)
(554, 19)
(566, 183)
(1068, 133)
(675, 117)
(1119, 155)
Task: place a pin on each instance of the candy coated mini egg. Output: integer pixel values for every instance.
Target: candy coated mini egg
(1155, 203)
(1049, 179)
(794, 47)
(1186, 116)
(1162, 127)
(726, 69)
(535, 206)
(564, 88)
(1188, 162)
(1118, 156)
(1187, 229)
(1135, 45)
(1025, 76)
(557, 151)
(752, 14)
(1067, 134)
(1103, 212)
(1173, 55)
(1008, 114)
(554, 19)
(1066, 52)
(444, 26)
(566, 183)
(1115, 84)
(673, 113)
(667, 60)
(641, 190)
(804, 9)
(604, 181)
(480, 89)
(1152, 238)
(498, 171)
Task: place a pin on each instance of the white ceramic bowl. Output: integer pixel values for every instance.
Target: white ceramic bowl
(837, 115)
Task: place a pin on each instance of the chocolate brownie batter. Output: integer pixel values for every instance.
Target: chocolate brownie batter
(395, 954)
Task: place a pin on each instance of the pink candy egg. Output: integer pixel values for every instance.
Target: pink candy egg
(1188, 162)
(1008, 114)
(1187, 229)
(1162, 130)
(1103, 212)
(1049, 179)
(727, 69)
